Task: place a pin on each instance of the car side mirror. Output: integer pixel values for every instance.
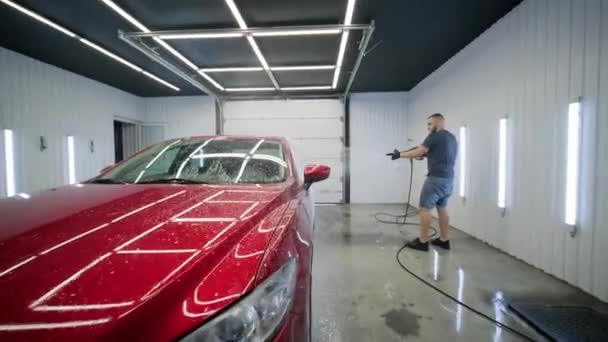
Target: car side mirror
(105, 169)
(315, 173)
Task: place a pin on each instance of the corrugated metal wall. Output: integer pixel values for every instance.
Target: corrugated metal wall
(528, 67)
(183, 115)
(37, 99)
(377, 126)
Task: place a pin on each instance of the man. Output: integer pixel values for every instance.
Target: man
(440, 148)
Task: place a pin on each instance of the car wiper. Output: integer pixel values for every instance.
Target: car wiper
(106, 181)
(172, 180)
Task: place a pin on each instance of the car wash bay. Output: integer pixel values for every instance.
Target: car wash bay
(523, 86)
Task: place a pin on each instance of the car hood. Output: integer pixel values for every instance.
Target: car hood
(97, 261)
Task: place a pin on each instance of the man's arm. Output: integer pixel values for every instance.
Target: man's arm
(417, 152)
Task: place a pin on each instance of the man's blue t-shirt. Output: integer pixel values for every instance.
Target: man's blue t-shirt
(441, 156)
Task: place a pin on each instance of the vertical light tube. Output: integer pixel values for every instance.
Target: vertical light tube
(463, 160)
(71, 161)
(502, 163)
(9, 162)
(572, 162)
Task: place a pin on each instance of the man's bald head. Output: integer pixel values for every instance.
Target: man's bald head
(435, 122)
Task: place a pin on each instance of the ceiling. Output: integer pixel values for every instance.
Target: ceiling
(412, 39)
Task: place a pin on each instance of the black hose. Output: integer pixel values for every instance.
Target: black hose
(402, 220)
(502, 325)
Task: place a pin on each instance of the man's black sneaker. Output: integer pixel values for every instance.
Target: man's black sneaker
(419, 245)
(441, 243)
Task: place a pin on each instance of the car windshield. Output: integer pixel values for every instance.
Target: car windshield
(210, 161)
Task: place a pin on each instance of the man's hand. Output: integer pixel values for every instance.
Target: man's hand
(395, 155)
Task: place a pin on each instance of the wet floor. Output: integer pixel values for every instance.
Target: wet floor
(360, 293)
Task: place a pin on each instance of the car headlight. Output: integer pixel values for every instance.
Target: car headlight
(257, 316)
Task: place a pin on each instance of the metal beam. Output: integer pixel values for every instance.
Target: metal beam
(251, 30)
(219, 116)
(362, 53)
(153, 55)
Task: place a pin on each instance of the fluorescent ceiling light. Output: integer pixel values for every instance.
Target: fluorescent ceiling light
(9, 162)
(463, 160)
(232, 69)
(236, 14)
(71, 161)
(303, 68)
(306, 88)
(296, 33)
(126, 15)
(86, 41)
(211, 80)
(258, 53)
(160, 42)
(39, 18)
(250, 89)
(502, 163)
(111, 55)
(572, 162)
(350, 9)
(160, 80)
(341, 52)
(199, 35)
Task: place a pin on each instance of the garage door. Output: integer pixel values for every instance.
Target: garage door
(314, 128)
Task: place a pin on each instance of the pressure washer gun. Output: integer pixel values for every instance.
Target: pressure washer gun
(396, 154)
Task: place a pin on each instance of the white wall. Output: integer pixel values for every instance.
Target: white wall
(377, 126)
(37, 99)
(182, 115)
(529, 66)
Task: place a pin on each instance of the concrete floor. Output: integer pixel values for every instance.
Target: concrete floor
(360, 293)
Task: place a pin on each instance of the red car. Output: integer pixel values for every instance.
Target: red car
(194, 239)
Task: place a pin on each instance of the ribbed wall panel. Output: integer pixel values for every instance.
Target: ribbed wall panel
(182, 116)
(37, 99)
(377, 126)
(529, 66)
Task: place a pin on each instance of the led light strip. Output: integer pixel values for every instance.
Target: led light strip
(83, 40)
(159, 41)
(254, 46)
(573, 163)
(462, 151)
(297, 33)
(278, 68)
(502, 163)
(250, 89)
(171, 36)
(9, 162)
(348, 19)
(304, 88)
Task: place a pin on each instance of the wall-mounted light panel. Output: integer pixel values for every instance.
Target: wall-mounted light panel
(9, 162)
(71, 149)
(573, 162)
(502, 163)
(462, 152)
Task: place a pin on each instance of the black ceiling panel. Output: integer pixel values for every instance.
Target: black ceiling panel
(292, 12)
(242, 79)
(208, 53)
(300, 50)
(179, 14)
(412, 38)
(304, 78)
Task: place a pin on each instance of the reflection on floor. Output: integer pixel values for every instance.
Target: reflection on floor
(361, 294)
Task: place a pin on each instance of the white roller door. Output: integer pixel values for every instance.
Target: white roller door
(314, 128)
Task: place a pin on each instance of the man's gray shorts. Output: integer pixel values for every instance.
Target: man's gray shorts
(435, 192)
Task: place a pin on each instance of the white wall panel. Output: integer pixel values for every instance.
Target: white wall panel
(183, 115)
(37, 99)
(529, 66)
(315, 129)
(377, 126)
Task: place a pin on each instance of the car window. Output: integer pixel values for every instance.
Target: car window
(213, 161)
